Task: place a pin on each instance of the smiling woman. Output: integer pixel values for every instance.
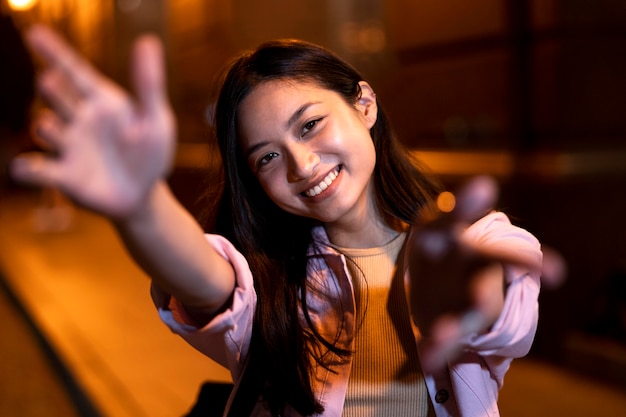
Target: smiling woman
(321, 221)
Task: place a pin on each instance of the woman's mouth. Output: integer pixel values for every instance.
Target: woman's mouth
(324, 184)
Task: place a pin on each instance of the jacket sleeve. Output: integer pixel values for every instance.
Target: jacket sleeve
(513, 332)
(226, 338)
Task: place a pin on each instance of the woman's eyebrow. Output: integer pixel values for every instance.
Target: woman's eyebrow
(296, 115)
(292, 120)
(252, 149)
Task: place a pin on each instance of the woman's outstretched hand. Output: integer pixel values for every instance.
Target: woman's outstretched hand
(105, 148)
(456, 288)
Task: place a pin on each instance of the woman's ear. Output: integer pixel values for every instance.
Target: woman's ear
(367, 104)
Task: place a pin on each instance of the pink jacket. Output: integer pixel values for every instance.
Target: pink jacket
(468, 388)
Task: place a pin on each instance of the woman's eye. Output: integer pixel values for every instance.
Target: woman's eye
(308, 126)
(267, 158)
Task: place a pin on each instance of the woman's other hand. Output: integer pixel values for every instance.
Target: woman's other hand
(456, 288)
(105, 148)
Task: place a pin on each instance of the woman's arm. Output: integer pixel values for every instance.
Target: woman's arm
(167, 242)
(110, 152)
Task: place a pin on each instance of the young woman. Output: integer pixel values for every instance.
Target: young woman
(328, 286)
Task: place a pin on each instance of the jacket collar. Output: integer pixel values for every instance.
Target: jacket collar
(320, 244)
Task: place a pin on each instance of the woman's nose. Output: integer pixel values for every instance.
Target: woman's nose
(302, 162)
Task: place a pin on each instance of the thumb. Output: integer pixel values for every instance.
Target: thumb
(148, 73)
(36, 169)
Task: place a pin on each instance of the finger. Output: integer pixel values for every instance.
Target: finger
(148, 74)
(442, 345)
(475, 199)
(36, 169)
(554, 268)
(58, 53)
(59, 93)
(48, 131)
(487, 295)
(448, 335)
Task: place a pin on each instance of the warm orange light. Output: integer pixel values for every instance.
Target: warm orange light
(22, 4)
(446, 202)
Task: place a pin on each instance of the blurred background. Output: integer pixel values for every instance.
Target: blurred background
(532, 92)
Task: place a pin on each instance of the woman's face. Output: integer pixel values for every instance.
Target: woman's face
(310, 150)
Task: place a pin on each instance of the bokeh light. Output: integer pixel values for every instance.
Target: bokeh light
(22, 4)
(446, 201)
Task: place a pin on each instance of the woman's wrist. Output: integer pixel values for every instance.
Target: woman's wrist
(145, 209)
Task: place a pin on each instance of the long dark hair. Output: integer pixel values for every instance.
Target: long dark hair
(283, 349)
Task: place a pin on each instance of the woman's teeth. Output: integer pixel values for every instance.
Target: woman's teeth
(323, 184)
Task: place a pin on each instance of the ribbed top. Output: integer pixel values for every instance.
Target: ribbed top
(386, 379)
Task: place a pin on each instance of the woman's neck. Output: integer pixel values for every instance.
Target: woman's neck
(370, 233)
(363, 226)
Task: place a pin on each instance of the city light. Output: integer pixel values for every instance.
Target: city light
(22, 4)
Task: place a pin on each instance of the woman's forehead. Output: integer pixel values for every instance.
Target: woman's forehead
(285, 83)
(273, 108)
(278, 99)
